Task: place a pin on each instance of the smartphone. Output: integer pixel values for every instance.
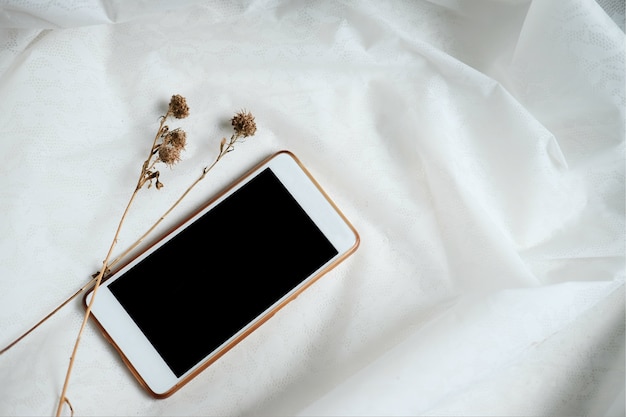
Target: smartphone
(219, 275)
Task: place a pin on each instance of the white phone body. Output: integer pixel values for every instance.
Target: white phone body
(156, 304)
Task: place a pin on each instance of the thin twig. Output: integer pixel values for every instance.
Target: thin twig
(63, 304)
(244, 126)
(105, 265)
(63, 398)
(225, 149)
(69, 404)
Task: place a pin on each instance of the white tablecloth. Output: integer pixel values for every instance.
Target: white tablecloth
(478, 147)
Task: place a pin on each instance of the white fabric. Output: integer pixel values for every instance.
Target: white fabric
(478, 147)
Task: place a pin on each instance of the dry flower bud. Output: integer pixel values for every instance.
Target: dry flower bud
(178, 107)
(176, 138)
(244, 124)
(169, 155)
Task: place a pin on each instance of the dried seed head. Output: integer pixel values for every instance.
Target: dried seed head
(169, 155)
(178, 107)
(244, 124)
(176, 139)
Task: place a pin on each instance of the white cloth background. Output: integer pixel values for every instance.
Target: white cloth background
(478, 147)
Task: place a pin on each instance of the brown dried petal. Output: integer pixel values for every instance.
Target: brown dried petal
(178, 107)
(244, 124)
(176, 138)
(169, 155)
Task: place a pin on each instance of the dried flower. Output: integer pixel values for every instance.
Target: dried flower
(178, 107)
(169, 154)
(244, 124)
(176, 139)
(166, 146)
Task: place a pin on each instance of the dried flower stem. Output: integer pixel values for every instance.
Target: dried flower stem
(63, 398)
(52, 313)
(144, 176)
(225, 147)
(244, 126)
(228, 147)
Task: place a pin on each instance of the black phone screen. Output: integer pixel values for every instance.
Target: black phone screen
(209, 281)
